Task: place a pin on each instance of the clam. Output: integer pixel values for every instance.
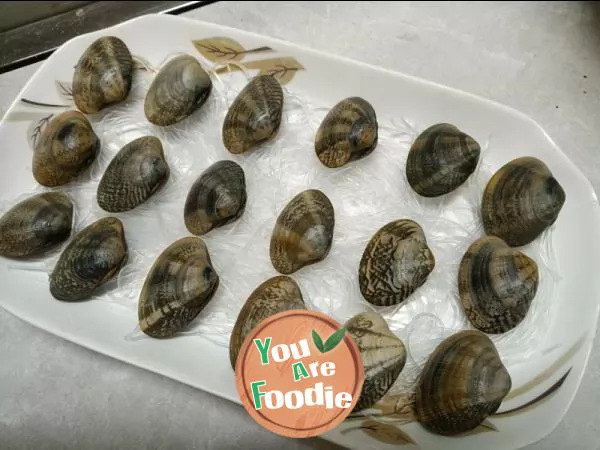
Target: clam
(137, 171)
(94, 257)
(395, 262)
(103, 75)
(520, 201)
(254, 116)
(303, 232)
(180, 88)
(177, 288)
(276, 295)
(216, 198)
(36, 225)
(382, 353)
(463, 382)
(347, 133)
(496, 285)
(440, 160)
(67, 146)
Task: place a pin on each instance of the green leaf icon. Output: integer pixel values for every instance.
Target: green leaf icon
(334, 340)
(318, 341)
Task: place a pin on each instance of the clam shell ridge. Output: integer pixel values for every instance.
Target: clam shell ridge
(177, 288)
(521, 200)
(277, 294)
(254, 116)
(348, 132)
(67, 146)
(383, 355)
(36, 225)
(103, 75)
(216, 198)
(496, 285)
(395, 262)
(463, 382)
(180, 88)
(440, 160)
(137, 171)
(303, 232)
(94, 257)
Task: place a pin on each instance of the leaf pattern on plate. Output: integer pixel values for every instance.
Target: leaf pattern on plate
(284, 69)
(36, 127)
(219, 49)
(65, 90)
(383, 432)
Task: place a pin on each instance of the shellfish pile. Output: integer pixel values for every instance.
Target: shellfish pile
(464, 380)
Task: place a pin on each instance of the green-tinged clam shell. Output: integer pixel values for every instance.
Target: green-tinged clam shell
(278, 294)
(177, 288)
(520, 201)
(395, 262)
(133, 176)
(254, 117)
(216, 198)
(496, 285)
(67, 146)
(463, 382)
(348, 132)
(93, 257)
(36, 225)
(382, 353)
(180, 88)
(303, 232)
(103, 75)
(440, 160)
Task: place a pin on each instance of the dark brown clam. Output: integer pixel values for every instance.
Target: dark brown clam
(180, 88)
(396, 261)
(303, 232)
(134, 175)
(103, 75)
(440, 160)
(277, 294)
(94, 257)
(177, 288)
(496, 285)
(218, 197)
(463, 382)
(521, 200)
(347, 133)
(67, 146)
(254, 116)
(382, 353)
(36, 225)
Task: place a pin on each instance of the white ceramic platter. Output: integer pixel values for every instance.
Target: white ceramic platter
(545, 356)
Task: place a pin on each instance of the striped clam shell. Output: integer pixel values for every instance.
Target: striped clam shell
(303, 232)
(440, 160)
(178, 286)
(496, 285)
(395, 262)
(382, 353)
(36, 225)
(277, 294)
(463, 382)
(94, 257)
(67, 146)
(216, 198)
(103, 75)
(180, 88)
(521, 200)
(254, 117)
(137, 171)
(348, 132)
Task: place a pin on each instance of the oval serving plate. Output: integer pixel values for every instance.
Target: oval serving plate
(543, 386)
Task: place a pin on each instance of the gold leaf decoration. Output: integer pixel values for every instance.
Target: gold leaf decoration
(398, 405)
(383, 432)
(65, 90)
(284, 69)
(219, 49)
(36, 127)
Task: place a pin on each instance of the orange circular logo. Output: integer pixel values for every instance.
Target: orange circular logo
(299, 373)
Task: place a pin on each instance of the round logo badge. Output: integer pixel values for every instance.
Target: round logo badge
(299, 373)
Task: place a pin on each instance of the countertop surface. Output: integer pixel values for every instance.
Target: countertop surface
(541, 58)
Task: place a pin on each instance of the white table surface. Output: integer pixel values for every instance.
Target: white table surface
(541, 58)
